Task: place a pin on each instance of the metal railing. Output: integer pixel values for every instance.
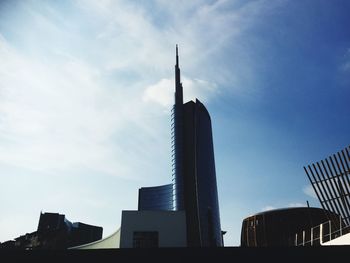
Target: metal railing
(324, 232)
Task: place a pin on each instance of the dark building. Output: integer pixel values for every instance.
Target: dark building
(52, 222)
(83, 233)
(194, 188)
(156, 198)
(194, 178)
(279, 227)
(56, 232)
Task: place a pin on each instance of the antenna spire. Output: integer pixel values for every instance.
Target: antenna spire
(178, 85)
(177, 56)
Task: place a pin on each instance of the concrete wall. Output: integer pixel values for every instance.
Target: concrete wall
(170, 225)
(112, 241)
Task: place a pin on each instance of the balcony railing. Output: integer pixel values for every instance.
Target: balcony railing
(324, 232)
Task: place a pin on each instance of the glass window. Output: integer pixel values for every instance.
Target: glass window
(145, 239)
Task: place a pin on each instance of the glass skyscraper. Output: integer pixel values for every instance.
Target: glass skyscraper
(194, 177)
(193, 188)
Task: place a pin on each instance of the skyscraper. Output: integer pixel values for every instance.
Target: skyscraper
(194, 177)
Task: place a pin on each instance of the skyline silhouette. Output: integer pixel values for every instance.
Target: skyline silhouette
(86, 92)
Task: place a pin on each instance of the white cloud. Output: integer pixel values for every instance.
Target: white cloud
(64, 120)
(268, 208)
(296, 205)
(309, 191)
(51, 119)
(80, 94)
(162, 92)
(272, 207)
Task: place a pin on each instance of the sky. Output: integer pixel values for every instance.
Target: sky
(86, 90)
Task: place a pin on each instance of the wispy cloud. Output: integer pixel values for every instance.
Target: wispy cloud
(268, 208)
(55, 119)
(81, 84)
(273, 207)
(297, 205)
(345, 66)
(162, 92)
(309, 191)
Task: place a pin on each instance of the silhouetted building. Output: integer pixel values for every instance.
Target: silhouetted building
(52, 222)
(279, 227)
(157, 198)
(193, 189)
(82, 233)
(56, 232)
(186, 212)
(146, 229)
(194, 177)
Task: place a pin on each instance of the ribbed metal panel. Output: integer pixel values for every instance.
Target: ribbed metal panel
(331, 183)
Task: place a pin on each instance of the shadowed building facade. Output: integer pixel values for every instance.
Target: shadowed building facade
(194, 177)
(55, 232)
(279, 227)
(184, 213)
(156, 198)
(194, 188)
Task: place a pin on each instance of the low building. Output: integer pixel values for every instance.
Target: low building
(153, 229)
(279, 227)
(145, 229)
(56, 232)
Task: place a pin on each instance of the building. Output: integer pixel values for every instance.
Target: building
(56, 232)
(194, 177)
(280, 227)
(193, 169)
(330, 179)
(145, 229)
(184, 213)
(156, 198)
(305, 226)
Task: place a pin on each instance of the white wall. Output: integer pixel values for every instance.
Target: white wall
(170, 225)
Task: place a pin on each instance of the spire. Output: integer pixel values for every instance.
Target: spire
(177, 57)
(178, 84)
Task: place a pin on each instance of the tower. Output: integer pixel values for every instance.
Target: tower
(194, 177)
(177, 140)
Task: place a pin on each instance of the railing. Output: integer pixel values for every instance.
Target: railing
(319, 234)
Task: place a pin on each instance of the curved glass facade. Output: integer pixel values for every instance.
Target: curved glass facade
(206, 179)
(200, 187)
(193, 169)
(177, 141)
(156, 198)
(177, 157)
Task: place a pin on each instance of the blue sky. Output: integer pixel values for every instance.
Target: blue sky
(86, 89)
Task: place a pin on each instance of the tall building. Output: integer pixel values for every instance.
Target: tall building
(194, 188)
(194, 177)
(184, 213)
